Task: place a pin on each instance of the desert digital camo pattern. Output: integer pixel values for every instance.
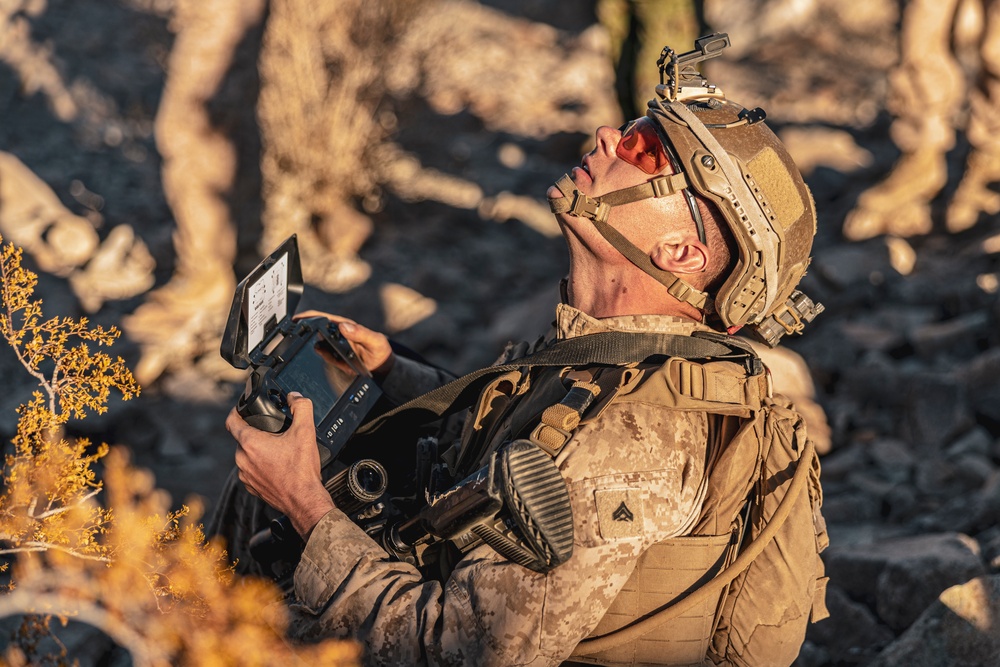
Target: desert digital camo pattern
(635, 477)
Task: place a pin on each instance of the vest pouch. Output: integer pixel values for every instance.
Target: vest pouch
(764, 618)
(666, 573)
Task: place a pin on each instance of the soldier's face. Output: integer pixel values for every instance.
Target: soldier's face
(621, 161)
(615, 162)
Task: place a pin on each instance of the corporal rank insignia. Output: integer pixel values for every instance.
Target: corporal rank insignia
(623, 513)
(620, 513)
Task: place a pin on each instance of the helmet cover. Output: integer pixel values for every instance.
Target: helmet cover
(731, 158)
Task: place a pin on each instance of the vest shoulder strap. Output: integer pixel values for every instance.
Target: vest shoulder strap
(716, 387)
(612, 348)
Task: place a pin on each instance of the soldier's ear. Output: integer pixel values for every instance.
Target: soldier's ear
(686, 255)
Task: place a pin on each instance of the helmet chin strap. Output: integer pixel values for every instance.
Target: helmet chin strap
(596, 209)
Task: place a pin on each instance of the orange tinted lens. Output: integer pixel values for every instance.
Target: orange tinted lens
(640, 146)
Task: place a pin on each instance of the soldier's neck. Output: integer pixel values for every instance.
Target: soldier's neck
(602, 290)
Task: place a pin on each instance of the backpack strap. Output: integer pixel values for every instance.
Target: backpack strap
(713, 588)
(680, 383)
(611, 348)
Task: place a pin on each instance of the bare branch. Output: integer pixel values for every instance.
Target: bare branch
(35, 547)
(60, 510)
(28, 601)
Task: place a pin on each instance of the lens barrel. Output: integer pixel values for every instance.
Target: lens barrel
(358, 486)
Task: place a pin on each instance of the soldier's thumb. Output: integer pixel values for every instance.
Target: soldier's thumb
(302, 410)
(358, 334)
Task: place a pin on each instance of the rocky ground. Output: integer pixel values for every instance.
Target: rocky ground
(904, 361)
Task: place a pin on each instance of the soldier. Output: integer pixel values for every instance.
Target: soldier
(684, 226)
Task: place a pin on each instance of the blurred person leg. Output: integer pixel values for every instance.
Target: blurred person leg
(183, 319)
(974, 195)
(926, 90)
(639, 29)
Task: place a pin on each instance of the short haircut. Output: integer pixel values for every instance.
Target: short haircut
(721, 247)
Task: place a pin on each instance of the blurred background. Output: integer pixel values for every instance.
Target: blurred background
(152, 151)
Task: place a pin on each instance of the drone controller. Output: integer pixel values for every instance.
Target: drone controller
(309, 356)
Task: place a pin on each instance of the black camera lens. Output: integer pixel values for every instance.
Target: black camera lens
(362, 483)
(372, 481)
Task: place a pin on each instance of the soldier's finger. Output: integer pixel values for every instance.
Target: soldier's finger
(361, 335)
(235, 424)
(302, 410)
(374, 344)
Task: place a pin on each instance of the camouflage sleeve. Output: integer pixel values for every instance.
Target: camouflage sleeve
(491, 611)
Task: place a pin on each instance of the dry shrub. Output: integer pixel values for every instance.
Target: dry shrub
(331, 75)
(132, 568)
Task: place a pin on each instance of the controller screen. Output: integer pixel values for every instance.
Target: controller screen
(315, 378)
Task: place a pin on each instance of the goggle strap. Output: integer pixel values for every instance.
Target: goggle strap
(677, 288)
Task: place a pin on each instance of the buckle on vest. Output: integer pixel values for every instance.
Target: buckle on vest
(549, 439)
(560, 420)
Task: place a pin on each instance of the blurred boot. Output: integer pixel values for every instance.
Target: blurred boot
(974, 195)
(925, 93)
(900, 205)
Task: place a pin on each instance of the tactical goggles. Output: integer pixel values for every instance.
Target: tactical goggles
(641, 146)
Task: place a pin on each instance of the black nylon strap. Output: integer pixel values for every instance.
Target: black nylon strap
(612, 348)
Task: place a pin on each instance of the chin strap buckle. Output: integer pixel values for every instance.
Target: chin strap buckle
(575, 203)
(585, 207)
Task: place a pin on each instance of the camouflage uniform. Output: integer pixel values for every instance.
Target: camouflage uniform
(489, 611)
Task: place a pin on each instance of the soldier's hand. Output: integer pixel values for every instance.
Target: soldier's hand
(372, 347)
(283, 469)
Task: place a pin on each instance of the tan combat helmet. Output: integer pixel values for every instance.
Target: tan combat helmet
(726, 154)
